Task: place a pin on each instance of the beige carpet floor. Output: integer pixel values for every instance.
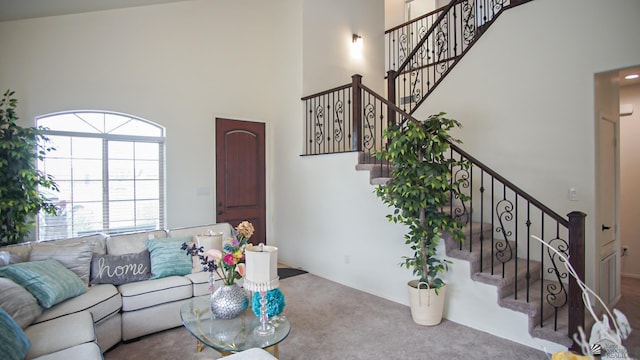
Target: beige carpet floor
(331, 321)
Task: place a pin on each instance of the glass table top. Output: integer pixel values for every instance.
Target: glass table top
(230, 335)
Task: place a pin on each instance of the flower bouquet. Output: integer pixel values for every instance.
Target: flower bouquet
(227, 301)
(228, 264)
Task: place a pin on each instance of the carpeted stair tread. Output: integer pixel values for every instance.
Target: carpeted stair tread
(505, 276)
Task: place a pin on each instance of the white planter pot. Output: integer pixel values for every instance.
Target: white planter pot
(426, 306)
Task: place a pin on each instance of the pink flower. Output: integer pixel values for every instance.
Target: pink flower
(229, 259)
(241, 269)
(214, 254)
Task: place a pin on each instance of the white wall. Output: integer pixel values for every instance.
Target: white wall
(327, 40)
(179, 65)
(629, 180)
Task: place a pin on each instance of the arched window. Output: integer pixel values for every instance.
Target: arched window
(110, 171)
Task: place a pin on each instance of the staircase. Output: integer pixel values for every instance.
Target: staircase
(500, 217)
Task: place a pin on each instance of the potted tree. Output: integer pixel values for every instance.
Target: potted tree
(421, 185)
(20, 179)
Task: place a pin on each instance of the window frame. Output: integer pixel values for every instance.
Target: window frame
(106, 138)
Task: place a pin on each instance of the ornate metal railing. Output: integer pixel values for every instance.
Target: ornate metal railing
(500, 216)
(506, 217)
(423, 51)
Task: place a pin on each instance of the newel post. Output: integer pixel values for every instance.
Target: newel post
(577, 261)
(356, 109)
(391, 95)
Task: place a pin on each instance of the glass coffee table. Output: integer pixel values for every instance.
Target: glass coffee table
(233, 335)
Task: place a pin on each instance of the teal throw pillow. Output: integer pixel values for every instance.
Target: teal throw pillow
(14, 344)
(47, 280)
(168, 258)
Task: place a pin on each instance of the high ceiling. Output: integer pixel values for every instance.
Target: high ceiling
(24, 9)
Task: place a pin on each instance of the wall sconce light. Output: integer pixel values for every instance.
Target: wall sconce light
(357, 42)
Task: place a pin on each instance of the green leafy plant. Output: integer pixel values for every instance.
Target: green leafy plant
(20, 179)
(421, 186)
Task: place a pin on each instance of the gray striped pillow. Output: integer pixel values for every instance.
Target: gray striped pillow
(18, 302)
(47, 280)
(75, 257)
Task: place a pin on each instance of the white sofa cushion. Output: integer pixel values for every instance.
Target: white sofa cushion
(224, 228)
(131, 243)
(101, 300)
(22, 251)
(200, 281)
(86, 351)
(59, 334)
(143, 294)
(98, 241)
(152, 319)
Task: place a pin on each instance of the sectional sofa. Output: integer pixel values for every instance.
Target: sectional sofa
(123, 286)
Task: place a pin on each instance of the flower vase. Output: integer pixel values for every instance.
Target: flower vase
(228, 301)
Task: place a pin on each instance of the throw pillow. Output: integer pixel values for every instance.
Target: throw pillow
(120, 269)
(168, 258)
(47, 280)
(75, 257)
(14, 344)
(18, 303)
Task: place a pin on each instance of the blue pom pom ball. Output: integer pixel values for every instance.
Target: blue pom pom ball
(275, 302)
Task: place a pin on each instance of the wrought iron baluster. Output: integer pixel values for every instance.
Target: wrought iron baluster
(542, 267)
(557, 295)
(504, 213)
(481, 218)
(528, 224)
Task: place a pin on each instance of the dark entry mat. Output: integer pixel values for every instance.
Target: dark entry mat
(284, 273)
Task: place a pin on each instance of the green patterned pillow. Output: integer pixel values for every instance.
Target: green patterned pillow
(168, 258)
(47, 280)
(14, 344)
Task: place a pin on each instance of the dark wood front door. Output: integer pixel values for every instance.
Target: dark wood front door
(240, 175)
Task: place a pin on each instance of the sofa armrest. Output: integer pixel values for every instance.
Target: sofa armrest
(60, 333)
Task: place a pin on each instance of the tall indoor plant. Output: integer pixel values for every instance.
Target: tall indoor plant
(20, 179)
(420, 187)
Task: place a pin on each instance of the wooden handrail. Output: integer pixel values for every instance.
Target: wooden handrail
(562, 220)
(338, 88)
(410, 22)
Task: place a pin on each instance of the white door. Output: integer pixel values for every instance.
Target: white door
(609, 289)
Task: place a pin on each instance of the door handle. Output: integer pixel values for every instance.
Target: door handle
(604, 227)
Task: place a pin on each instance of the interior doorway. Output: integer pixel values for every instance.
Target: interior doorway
(240, 175)
(616, 222)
